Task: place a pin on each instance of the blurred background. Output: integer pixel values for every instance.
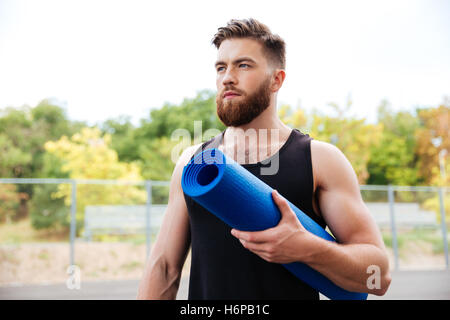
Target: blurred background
(91, 92)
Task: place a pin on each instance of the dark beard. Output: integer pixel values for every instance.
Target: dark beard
(236, 113)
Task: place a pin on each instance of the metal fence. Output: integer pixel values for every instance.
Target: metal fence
(385, 200)
(148, 184)
(393, 192)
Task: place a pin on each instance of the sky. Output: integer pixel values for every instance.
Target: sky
(102, 59)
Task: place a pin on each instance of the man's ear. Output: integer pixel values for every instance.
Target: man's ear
(277, 79)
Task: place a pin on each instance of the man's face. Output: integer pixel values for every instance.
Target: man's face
(243, 81)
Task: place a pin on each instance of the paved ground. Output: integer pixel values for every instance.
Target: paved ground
(405, 285)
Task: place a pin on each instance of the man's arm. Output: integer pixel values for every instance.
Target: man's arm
(359, 241)
(348, 218)
(163, 269)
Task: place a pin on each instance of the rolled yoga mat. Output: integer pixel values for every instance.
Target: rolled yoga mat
(244, 202)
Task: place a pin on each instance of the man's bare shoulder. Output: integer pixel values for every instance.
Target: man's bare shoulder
(187, 154)
(182, 161)
(327, 159)
(324, 149)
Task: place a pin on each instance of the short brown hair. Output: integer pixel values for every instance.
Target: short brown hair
(273, 45)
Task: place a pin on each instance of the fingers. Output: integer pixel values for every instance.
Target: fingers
(253, 236)
(265, 251)
(258, 248)
(260, 242)
(280, 201)
(282, 204)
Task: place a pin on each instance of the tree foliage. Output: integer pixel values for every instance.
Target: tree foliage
(23, 133)
(432, 138)
(87, 155)
(352, 136)
(393, 160)
(401, 148)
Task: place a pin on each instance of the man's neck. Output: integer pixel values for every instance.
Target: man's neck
(258, 139)
(268, 121)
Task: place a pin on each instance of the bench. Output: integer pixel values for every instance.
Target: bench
(125, 219)
(121, 219)
(405, 214)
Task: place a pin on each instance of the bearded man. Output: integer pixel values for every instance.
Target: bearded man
(315, 176)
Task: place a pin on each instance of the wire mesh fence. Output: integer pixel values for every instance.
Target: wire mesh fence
(105, 228)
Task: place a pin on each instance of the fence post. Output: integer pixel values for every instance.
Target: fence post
(443, 225)
(73, 222)
(148, 230)
(393, 226)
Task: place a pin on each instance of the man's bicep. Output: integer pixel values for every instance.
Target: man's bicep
(340, 200)
(174, 235)
(348, 218)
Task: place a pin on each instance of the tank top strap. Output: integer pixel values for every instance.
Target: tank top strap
(211, 143)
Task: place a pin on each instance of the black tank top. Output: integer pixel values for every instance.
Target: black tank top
(221, 268)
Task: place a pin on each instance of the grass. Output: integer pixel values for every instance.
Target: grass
(23, 232)
(136, 239)
(419, 236)
(131, 265)
(43, 255)
(9, 257)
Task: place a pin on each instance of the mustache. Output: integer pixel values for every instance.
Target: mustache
(231, 89)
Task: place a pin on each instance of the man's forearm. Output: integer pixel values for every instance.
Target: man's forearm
(347, 265)
(159, 283)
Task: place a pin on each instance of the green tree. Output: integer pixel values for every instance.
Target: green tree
(87, 155)
(46, 211)
(432, 137)
(16, 142)
(23, 132)
(9, 202)
(351, 135)
(123, 140)
(13, 159)
(392, 160)
(27, 129)
(170, 117)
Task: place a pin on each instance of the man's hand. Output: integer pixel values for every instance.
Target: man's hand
(287, 242)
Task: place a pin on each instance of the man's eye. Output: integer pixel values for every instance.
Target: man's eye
(219, 69)
(244, 64)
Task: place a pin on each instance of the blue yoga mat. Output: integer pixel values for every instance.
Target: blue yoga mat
(244, 202)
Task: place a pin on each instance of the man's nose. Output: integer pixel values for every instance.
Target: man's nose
(229, 78)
